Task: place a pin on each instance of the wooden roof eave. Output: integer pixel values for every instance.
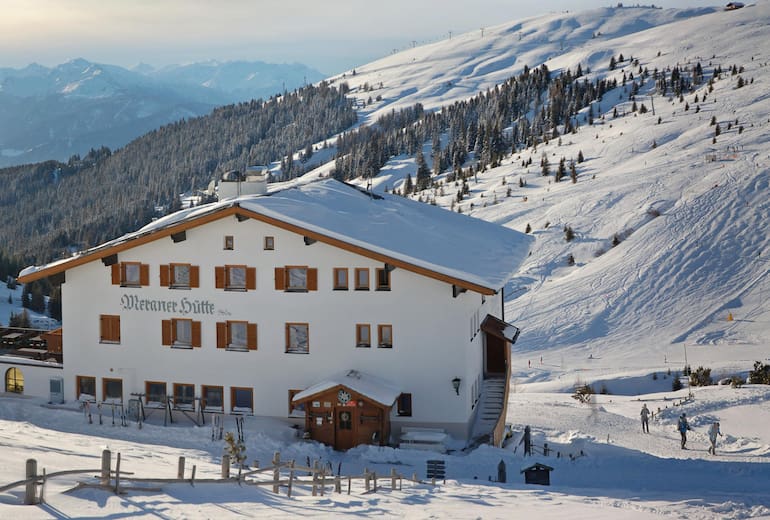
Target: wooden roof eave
(235, 209)
(354, 396)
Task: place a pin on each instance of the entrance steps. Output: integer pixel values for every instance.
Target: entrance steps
(490, 406)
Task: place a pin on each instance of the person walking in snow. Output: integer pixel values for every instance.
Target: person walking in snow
(683, 426)
(713, 432)
(645, 414)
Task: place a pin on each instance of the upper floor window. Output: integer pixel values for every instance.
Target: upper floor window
(109, 328)
(295, 278)
(229, 243)
(181, 333)
(362, 279)
(237, 335)
(363, 335)
(340, 279)
(385, 336)
(130, 274)
(179, 276)
(235, 277)
(269, 243)
(297, 338)
(383, 280)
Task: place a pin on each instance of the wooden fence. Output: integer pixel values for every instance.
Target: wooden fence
(280, 474)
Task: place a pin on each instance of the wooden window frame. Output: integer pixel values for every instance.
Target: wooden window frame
(289, 349)
(233, 390)
(228, 243)
(120, 269)
(282, 279)
(167, 276)
(225, 336)
(404, 404)
(222, 277)
(105, 382)
(79, 380)
(109, 329)
(358, 272)
(269, 243)
(361, 341)
(177, 393)
(336, 283)
(295, 407)
(204, 399)
(147, 385)
(380, 329)
(169, 333)
(379, 273)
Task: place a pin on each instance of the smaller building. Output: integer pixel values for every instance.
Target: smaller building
(537, 474)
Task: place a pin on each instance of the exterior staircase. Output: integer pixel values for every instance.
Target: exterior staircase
(490, 406)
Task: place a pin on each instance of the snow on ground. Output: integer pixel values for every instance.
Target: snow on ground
(626, 319)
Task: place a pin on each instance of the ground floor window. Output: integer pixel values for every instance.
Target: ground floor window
(242, 400)
(112, 389)
(86, 388)
(213, 398)
(184, 395)
(155, 392)
(14, 381)
(405, 405)
(295, 408)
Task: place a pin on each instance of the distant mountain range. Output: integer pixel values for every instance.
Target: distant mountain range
(53, 113)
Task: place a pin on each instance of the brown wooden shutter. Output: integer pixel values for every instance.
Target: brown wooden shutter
(165, 275)
(103, 328)
(251, 336)
(196, 334)
(312, 279)
(219, 277)
(195, 276)
(221, 334)
(144, 275)
(280, 279)
(115, 274)
(116, 328)
(251, 278)
(167, 332)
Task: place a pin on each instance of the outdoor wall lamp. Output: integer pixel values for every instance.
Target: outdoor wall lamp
(456, 385)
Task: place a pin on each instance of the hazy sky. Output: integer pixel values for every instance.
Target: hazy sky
(328, 35)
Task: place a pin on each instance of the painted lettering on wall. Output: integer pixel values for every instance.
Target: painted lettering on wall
(183, 306)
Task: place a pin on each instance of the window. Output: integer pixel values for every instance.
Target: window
(297, 340)
(213, 398)
(363, 335)
(385, 336)
(241, 400)
(340, 279)
(405, 405)
(362, 279)
(383, 280)
(179, 276)
(112, 389)
(235, 277)
(130, 274)
(269, 243)
(109, 328)
(14, 381)
(155, 392)
(295, 408)
(229, 243)
(184, 396)
(237, 335)
(86, 388)
(181, 333)
(296, 278)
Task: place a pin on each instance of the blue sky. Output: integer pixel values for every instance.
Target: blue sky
(331, 36)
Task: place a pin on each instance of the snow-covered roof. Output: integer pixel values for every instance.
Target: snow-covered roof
(374, 388)
(472, 253)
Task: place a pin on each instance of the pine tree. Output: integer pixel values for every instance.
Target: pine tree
(580, 158)
(422, 178)
(572, 172)
(236, 449)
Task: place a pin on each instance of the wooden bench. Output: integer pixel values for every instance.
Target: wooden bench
(430, 439)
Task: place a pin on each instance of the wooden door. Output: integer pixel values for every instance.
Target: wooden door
(344, 423)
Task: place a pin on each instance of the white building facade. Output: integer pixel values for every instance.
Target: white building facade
(238, 306)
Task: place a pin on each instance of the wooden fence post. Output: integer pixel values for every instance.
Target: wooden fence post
(337, 484)
(315, 478)
(374, 477)
(180, 469)
(30, 497)
(291, 478)
(392, 479)
(117, 473)
(323, 481)
(276, 470)
(106, 466)
(366, 478)
(192, 477)
(225, 466)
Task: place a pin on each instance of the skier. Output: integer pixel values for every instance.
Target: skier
(645, 414)
(683, 426)
(713, 432)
